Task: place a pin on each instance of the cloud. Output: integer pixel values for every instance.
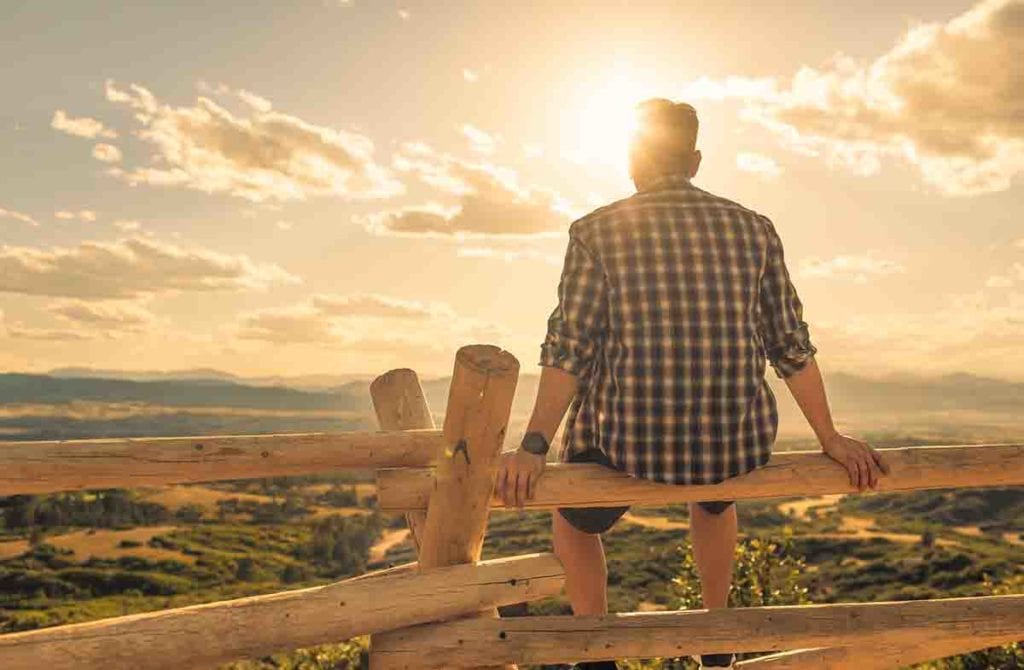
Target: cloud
(363, 320)
(856, 268)
(480, 140)
(80, 127)
(979, 331)
(129, 268)
(511, 255)
(81, 215)
(17, 216)
(404, 14)
(127, 226)
(107, 153)
(490, 201)
(1013, 275)
(945, 99)
(472, 76)
(265, 156)
(118, 315)
(18, 331)
(758, 164)
(257, 102)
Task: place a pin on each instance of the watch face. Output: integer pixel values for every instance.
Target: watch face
(535, 443)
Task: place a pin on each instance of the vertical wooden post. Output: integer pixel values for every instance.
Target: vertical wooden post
(400, 404)
(476, 420)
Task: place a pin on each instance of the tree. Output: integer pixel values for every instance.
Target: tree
(765, 572)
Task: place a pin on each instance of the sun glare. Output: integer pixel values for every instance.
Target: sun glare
(598, 130)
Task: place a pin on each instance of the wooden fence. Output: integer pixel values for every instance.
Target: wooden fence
(440, 612)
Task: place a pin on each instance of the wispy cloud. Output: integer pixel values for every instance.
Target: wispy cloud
(81, 215)
(472, 76)
(758, 164)
(480, 141)
(490, 200)
(265, 156)
(946, 99)
(358, 320)
(82, 126)
(129, 268)
(107, 153)
(856, 268)
(17, 216)
(110, 315)
(511, 255)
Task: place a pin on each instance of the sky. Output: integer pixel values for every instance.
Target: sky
(291, 188)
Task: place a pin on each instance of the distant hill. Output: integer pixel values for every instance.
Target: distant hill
(301, 382)
(960, 407)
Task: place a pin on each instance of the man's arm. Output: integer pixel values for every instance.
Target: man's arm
(520, 470)
(862, 461)
(574, 333)
(791, 354)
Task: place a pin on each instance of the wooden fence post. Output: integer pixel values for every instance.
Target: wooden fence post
(400, 404)
(479, 404)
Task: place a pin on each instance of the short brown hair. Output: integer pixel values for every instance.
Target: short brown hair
(665, 128)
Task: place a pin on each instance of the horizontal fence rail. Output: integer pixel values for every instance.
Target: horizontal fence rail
(208, 635)
(69, 465)
(555, 639)
(786, 474)
(883, 652)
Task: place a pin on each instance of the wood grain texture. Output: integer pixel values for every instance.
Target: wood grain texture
(883, 652)
(208, 635)
(555, 639)
(71, 465)
(479, 404)
(400, 404)
(786, 474)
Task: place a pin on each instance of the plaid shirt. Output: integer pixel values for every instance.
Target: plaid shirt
(669, 303)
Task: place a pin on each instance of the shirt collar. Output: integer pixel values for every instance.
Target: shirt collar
(665, 181)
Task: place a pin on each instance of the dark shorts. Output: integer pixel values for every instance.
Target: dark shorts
(596, 520)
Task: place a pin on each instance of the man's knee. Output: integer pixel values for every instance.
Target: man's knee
(716, 507)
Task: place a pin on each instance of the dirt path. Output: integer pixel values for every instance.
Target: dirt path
(392, 538)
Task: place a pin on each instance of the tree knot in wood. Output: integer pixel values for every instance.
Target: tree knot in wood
(461, 447)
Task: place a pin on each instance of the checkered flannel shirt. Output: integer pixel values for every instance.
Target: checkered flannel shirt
(670, 301)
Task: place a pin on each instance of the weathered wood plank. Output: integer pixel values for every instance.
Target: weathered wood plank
(786, 474)
(479, 404)
(69, 465)
(555, 639)
(883, 652)
(400, 404)
(208, 635)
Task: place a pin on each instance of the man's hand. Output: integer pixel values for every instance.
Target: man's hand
(517, 476)
(863, 462)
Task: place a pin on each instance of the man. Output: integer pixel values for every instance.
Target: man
(669, 303)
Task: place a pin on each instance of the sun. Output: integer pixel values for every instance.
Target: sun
(597, 130)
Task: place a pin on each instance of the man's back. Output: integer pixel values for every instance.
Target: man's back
(669, 302)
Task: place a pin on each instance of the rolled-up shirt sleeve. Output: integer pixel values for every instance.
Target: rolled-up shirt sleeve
(578, 323)
(786, 338)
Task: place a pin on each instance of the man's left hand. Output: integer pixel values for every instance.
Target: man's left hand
(517, 476)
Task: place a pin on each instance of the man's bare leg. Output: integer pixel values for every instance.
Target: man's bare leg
(586, 574)
(714, 545)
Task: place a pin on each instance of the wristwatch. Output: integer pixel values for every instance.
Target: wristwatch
(535, 443)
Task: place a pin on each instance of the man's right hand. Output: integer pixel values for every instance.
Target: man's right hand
(863, 463)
